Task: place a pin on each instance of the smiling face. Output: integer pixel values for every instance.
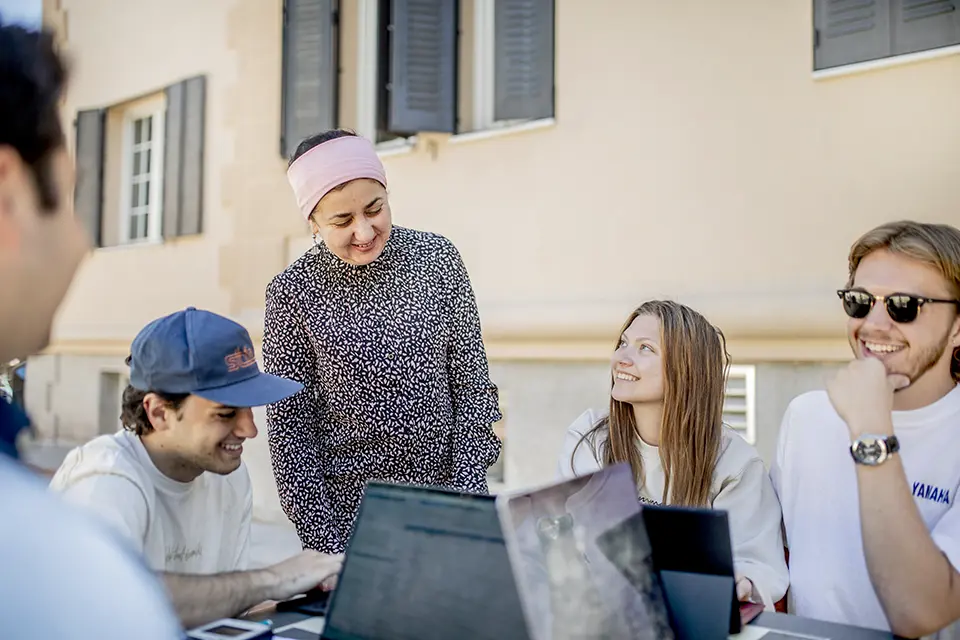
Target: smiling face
(637, 365)
(354, 221)
(922, 349)
(203, 435)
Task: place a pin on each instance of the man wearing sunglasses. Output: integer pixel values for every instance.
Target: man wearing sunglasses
(868, 471)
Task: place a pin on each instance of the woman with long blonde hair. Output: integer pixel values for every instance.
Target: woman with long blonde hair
(666, 420)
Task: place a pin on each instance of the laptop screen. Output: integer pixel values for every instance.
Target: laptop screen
(424, 564)
(571, 586)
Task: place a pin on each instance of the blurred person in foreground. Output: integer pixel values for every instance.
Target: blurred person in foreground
(868, 470)
(173, 482)
(62, 576)
(666, 420)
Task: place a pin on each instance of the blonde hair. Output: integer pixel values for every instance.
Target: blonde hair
(936, 245)
(695, 367)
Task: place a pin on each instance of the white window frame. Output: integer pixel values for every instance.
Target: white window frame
(368, 16)
(886, 62)
(368, 61)
(156, 110)
(484, 94)
(748, 373)
(484, 69)
(898, 60)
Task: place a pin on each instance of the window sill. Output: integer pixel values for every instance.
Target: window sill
(504, 130)
(884, 63)
(135, 244)
(398, 147)
(154, 242)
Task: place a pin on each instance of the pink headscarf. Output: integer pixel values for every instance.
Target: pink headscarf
(330, 164)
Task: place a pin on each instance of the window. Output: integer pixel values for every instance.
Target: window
(142, 184)
(386, 126)
(416, 44)
(851, 31)
(309, 78)
(140, 167)
(513, 62)
(407, 65)
(739, 407)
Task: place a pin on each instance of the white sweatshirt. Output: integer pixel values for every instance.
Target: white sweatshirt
(740, 486)
(200, 527)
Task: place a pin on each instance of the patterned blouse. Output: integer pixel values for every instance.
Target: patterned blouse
(397, 385)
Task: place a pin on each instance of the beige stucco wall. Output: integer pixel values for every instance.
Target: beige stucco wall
(694, 155)
(63, 394)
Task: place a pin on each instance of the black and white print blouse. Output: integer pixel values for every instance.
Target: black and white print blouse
(395, 375)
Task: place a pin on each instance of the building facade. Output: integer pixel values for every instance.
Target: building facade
(583, 157)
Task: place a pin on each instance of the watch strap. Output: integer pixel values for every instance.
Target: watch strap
(893, 444)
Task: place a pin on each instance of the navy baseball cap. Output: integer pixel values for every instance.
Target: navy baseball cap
(204, 354)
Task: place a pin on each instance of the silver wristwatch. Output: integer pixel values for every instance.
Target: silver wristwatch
(873, 450)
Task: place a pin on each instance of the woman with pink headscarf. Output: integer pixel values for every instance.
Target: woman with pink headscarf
(380, 324)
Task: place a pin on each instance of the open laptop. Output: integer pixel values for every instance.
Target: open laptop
(691, 554)
(589, 541)
(428, 564)
(570, 584)
(425, 564)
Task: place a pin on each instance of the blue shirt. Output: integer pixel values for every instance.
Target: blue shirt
(12, 422)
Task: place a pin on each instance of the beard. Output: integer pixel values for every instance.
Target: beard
(212, 463)
(924, 360)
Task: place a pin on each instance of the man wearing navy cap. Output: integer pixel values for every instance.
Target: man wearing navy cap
(172, 481)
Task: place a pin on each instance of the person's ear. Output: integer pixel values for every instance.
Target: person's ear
(159, 413)
(14, 185)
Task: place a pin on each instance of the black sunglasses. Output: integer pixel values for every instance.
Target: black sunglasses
(901, 307)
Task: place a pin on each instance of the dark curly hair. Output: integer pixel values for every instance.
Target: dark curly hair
(32, 80)
(134, 416)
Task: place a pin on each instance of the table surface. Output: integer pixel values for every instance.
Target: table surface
(807, 627)
(285, 625)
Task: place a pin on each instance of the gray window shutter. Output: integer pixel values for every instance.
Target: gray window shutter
(919, 25)
(183, 158)
(172, 160)
(310, 60)
(523, 71)
(848, 31)
(88, 194)
(423, 66)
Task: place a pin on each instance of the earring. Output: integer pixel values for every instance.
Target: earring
(315, 243)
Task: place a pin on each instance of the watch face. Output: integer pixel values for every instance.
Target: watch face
(870, 451)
